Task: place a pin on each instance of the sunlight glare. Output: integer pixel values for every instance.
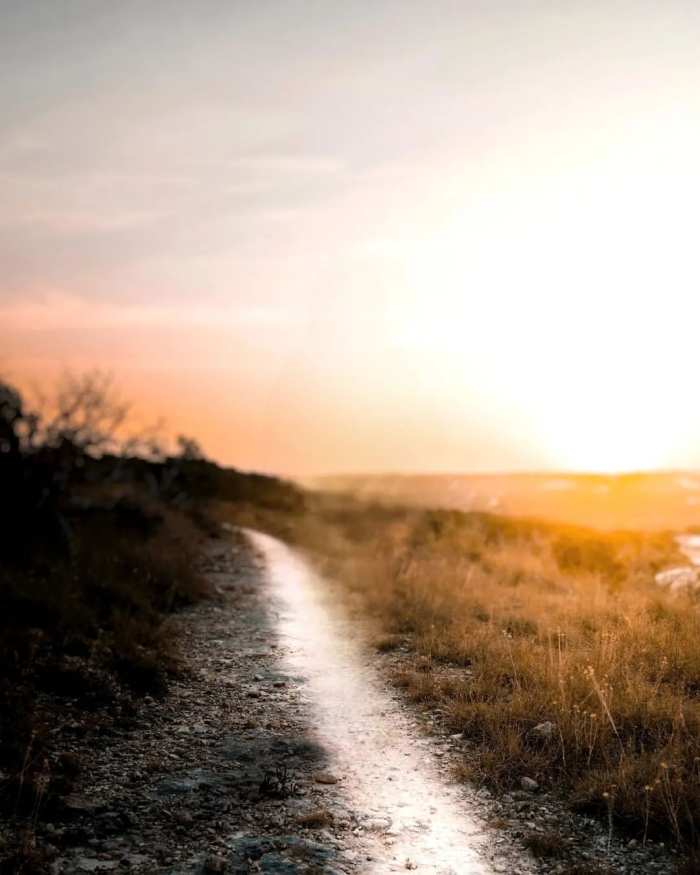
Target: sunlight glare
(581, 312)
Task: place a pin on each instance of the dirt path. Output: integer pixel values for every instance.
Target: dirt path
(388, 774)
(283, 750)
(215, 777)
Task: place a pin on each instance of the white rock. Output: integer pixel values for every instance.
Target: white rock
(377, 824)
(681, 577)
(544, 730)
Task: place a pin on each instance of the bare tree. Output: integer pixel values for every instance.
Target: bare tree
(87, 413)
(189, 449)
(147, 443)
(11, 414)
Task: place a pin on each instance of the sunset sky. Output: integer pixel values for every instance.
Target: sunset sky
(362, 236)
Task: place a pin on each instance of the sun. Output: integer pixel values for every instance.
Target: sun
(576, 343)
(605, 444)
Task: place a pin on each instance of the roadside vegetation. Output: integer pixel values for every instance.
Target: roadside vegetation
(550, 648)
(101, 533)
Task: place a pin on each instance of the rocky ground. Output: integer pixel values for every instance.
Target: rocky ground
(225, 775)
(222, 775)
(559, 840)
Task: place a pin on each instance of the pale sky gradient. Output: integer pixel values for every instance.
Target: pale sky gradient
(363, 236)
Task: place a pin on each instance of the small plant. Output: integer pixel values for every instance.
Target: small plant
(277, 784)
(545, 845)
(387, 643)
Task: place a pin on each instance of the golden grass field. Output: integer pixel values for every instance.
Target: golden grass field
(515, 624)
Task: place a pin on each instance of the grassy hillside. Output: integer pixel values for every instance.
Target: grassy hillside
(643, 501)
(550, 647)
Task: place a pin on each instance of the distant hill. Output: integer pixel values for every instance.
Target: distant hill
(653, 500)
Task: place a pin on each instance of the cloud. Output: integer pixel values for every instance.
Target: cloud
(53, 310)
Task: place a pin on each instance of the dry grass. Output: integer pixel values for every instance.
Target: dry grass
(545, 845)
(387, 643)
(86, 631)
(540, 624)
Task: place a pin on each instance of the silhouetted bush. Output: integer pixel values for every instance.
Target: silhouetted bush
(92, 560)
(100, 535)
